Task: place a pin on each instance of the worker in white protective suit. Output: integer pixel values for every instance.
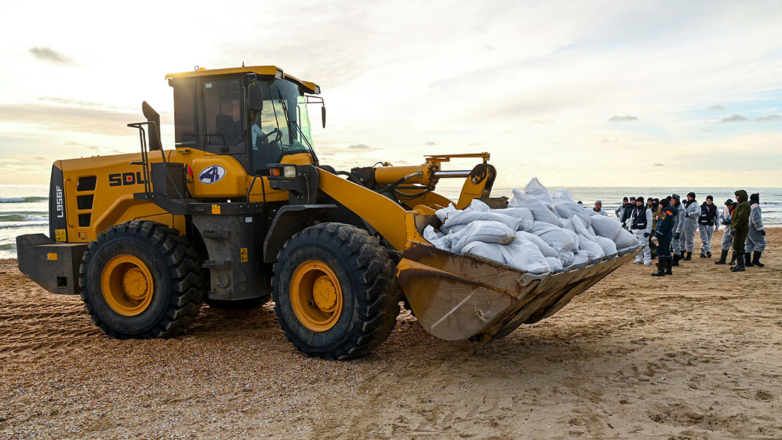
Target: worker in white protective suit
(692, 211)
(640, 224)
(678, 224)
(756, 238)
(727, 236)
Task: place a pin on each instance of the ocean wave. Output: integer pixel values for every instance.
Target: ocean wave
(8, 247)
(24, 217)
(29, 199)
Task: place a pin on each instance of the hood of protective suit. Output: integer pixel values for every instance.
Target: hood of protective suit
(742, 195)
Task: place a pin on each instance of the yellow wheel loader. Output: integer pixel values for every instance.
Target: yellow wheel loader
(242, 210)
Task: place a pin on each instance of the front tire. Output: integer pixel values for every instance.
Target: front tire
(142, 280)
(335, 291)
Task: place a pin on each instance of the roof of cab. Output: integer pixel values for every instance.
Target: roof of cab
(258, 70)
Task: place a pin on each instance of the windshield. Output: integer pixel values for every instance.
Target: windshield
(283, 127)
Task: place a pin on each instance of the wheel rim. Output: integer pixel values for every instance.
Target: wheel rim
(316, 296)
(127, 285)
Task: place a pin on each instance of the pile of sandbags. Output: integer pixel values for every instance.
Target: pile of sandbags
(538, 232)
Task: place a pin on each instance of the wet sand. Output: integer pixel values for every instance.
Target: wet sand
(696, 355)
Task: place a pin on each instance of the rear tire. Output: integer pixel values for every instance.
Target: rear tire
(147, 254)
(347, 260)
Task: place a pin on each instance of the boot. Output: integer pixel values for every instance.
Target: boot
(683, 256)
(756, 259)
(675, 260)
(739, 267)
(703, 255)
(668, 270)
(708, 254)
(748, 259)
(733, 259)
(660, 269)
(688, 257)
(723, 256)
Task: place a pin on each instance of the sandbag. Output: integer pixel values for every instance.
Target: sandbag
(606, 227)
(539, 212)
(478, 206)
(609, 247)
(523, 214)
(625, 240)
(554, 263)
(523, 255)
(485, 231)
(563, 195)
(544, 248)
(536, 189)
(489, 251)
(568, 210)
(435, 238)
(580, 257)
(592, 249)
(559, 239)
(467, 217)
(566, 258)
(444, 213)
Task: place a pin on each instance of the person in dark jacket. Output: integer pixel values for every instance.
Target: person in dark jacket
(627, 212)
(620, 211)
(739, 228)
(706, 225)
(756, 238)
(663, 234)
(678, 224)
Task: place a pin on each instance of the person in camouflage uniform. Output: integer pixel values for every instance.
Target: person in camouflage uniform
(739, 228)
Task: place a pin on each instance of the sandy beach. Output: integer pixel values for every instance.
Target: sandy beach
(697, 355)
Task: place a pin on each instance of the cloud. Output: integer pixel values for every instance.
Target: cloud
(507, 132)
(430, 143)
(714, 108)
(475, 144)
(50, 55)
(359, 147)
(72, 119)
(734, 118)
(622, 118)
(769, 118)
(657, 164)
(93, 147)
(539, 121)
(39, 158)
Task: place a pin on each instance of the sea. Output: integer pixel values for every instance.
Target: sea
(24, 209)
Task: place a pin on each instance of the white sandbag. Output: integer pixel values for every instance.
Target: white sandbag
(606, 227)
(523, 255)
(580, 258)
(574, 237)
(591, 212)
(609, 247)
(566, 258)
(489, 251)
(554, 263)
(539, 212)
(592, 249)
(559, 239)
(444, 213)
(545, 249)
(536, 189)
(467, 217)
(523, 214)
(569, 209)
(625, 240)
(487, 232)
(563, 195)
(591, 230)
(479, 206)
(435, 238)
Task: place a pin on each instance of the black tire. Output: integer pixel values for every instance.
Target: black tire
(369, 290)
(242, 304)
(175, 267)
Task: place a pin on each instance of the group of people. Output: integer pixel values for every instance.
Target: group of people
(668, 226)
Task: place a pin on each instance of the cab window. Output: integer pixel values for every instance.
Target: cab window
(223, 113)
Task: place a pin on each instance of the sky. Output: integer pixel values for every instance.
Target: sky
(598, 93)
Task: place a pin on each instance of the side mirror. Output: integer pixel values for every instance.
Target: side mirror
(255, 98)
(323, 115)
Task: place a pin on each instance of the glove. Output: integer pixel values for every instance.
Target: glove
(676, 236)
(763, 232)
(646, 234)
(733, 231)
(726, 222)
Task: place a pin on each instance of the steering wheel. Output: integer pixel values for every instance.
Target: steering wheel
(264, 138)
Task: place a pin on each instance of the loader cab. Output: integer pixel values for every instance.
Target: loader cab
(212, 113)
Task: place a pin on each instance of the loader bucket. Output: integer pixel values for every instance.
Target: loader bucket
(458, 297)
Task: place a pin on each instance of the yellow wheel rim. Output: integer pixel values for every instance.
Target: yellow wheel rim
(316, 296)
(127, 285)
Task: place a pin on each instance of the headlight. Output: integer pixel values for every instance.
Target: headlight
(289, 171)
